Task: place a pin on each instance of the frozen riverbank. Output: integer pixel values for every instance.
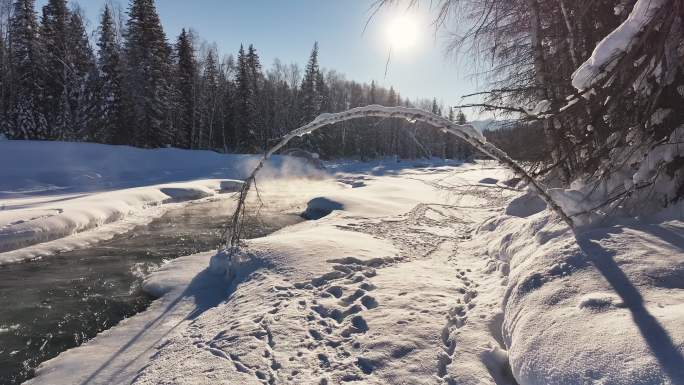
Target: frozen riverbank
(378, 291)
(63, 196)
(410, 273)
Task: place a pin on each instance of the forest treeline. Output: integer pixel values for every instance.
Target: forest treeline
(134, 87)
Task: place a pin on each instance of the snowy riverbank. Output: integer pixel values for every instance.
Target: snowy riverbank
(370, 292)
(61, 196)
(411, 273)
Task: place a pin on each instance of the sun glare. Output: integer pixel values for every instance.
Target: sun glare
(402, 32)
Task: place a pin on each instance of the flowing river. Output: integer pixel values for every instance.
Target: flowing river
(50, 305)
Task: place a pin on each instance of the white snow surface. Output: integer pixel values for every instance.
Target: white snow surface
(60, 196)
(617, 42)
(605, 306)
(387, 288)
(420, 274)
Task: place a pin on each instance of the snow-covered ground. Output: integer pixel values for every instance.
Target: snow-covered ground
(419, 273)
(61, 196)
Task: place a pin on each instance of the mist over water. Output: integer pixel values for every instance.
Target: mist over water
(57, 303)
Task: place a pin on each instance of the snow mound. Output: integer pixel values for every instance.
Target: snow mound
(592, 308)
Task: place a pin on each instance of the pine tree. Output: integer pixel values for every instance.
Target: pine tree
(147, 75)
(26, 120)
(309, 98)
(464, 150)
(81, 83)
(209, 102)
(224, 112)
(259, 133)
(245, 103)
(111, 109)
(391, 128)
(314, 97)
(461, 118)
(435, 107)
(322, 92)
(392, 98)
(69, 73)
(186, 75)
(5, 81)
(54, 39)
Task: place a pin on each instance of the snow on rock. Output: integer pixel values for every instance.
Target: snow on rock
(616, 43)
(320, 207)
(603, 306)
(489, 181)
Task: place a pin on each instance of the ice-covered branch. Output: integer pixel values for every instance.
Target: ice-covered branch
(465, 132)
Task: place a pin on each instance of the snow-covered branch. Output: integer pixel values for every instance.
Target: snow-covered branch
(608, 50)
(465, 132)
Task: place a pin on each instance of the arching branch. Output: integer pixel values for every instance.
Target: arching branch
(465, 132)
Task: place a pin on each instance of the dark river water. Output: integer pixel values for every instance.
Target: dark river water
(57, 303)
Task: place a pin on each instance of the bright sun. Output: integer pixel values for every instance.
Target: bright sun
(402, 32)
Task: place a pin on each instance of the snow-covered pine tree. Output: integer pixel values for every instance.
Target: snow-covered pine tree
(57, 66)
(314, 100)
(26, 121)
(5, 75)
(452, 145)
(323, 93)
(244, 107)
(228, 97)
(256, 78)
(147, 75)
(111, 106)
(81, 83)
(5, 78)
(437, 139)
(464, 151)
(186, 78)
(224, 110)
(461, 118)
(391, 129)
(210, 99)
(246, 115)
(309, 100)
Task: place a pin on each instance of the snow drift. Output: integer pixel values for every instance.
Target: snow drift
(58, 196)
(604, 306)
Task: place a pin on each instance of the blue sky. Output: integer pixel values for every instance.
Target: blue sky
(288, 29)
